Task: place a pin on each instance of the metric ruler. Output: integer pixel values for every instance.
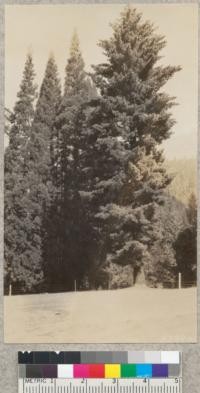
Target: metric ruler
(125, 385)
(137, 372)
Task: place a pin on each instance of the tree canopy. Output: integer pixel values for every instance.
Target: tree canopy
(87, 196)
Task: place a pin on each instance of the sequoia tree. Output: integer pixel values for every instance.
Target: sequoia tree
(44, 169)
(77, 89)
(21, 260)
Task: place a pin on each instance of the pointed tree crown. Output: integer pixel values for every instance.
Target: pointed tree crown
(22, 116)
(132, 80)
(44, 133)
(23, 109)
(75, 73)
(50, 94)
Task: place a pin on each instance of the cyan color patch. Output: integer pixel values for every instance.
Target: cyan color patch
(144, 370)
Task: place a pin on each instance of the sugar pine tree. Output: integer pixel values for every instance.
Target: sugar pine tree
(21, 269)
(123, 129)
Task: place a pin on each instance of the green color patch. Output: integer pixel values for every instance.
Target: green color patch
(128, 370)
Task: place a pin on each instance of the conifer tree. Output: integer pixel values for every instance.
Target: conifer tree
(77, 89)
(123, 129)
(21, 267)
(44, 169)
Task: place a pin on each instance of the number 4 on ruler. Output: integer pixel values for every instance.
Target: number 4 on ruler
(131, 385)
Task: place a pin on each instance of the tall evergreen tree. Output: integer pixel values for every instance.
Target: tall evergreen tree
(45, 138)
(21, 267)
(44, 169)
(77, 89)
(123, 129)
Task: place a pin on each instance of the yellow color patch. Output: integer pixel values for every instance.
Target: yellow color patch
(112, 371)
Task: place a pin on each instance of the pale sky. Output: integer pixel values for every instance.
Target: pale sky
(48, 28)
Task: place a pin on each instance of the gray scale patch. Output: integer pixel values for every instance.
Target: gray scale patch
(22, 371)
(174, 370)
(136, 357)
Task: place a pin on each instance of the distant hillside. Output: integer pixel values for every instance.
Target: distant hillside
(185, 178)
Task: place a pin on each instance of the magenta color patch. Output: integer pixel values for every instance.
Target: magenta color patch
(81, 371)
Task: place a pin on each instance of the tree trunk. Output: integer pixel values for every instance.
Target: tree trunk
(139, 277)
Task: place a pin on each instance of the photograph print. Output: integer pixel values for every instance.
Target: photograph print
(100, 167)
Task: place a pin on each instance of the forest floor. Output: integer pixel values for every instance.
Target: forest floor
(124, 315)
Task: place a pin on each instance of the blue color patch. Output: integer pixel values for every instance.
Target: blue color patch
(160, 370)
(144, 370)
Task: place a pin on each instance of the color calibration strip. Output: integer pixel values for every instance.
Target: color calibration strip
(167, 366)
(99, 371)
(103, 357)
(132, 372)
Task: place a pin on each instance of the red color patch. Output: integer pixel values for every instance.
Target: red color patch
(96, 371)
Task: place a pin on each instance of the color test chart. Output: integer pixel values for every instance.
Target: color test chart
(100, 372)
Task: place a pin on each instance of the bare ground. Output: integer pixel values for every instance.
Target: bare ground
(129, 315)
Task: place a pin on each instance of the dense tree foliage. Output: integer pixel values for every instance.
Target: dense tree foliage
(68, 263)
(22, 258)
(87, 201)
(44, 169)
(186, 246)
(171, 219)
(127, 123)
